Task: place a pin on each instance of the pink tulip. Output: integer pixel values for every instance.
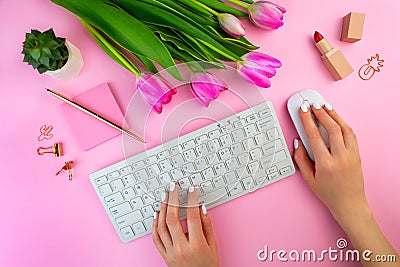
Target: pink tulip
(155, 90)
(258, 68)
(231, 25)
(206, 87)
(266, 15)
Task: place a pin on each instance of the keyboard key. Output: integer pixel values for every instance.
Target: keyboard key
(121, 209)
(230, 177)
(224, 153)
(189, 155)
(148, 198)
(207, 187)
(285, 170)
(273, 175)
(105, 189)
(214, 145)
(238, 135)
(184, 183)
(158, 192)
(237, 149)
(260, 139)
(141, 175)
(156, 206)
(148, 223)
(272, 169)
(202, 150)
(137, 203)
(140, 188)
(212, 158)
(176, 150)
(196, 178)
(266, 162)
(248, 183)
(217, 195)
(189, 144)
(200, 163)
(152, 184)
(244, 159)
(225, 140)
(250, 129)
(272, 134)
(214, 134)
(253, 166)
(139, 164)
(138, 228)
(177, 160)
(252, 118)
(272, 147)
(265, 113)
(128, 193)
(125, 170)
(113, 175)
(220, 168)
(165, 178)
(201, 139)
(208, 173)
(113, 199)
(235, 188)
(153, 170)
(219, 182)
(151, 159)
(165, 165)
(163, 154)
(232, 163)
(127, 232)
(100, 180)
(117, 184)
(279, 156)
(239, 123)
(176, 174)
(129, 218)
(249, 144)
(255, 153)
(189, 167)
(128, 180)
(265, 124)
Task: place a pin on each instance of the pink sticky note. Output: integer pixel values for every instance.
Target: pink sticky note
(89, 131)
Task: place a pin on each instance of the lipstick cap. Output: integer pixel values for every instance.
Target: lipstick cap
(352, 29)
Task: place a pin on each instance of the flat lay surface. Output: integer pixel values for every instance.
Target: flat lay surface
(47, 220)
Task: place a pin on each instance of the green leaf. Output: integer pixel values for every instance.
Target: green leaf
(45, 61)
(46, 51)
(147, 63)
(35, 53)
(152, 14)
(110, 49)
(223, 8)
(182, 56)
(190, 4)
(126, 30)
(42, 69)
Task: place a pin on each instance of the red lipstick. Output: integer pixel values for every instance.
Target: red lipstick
(333, 59)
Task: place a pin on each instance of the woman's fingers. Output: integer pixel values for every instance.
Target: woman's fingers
(156, 237)
(332, 128)
(349, 138)
(306, 167)
(162, 227)
(172, 218)
(207, 227)
(315, 139)
(195, 230)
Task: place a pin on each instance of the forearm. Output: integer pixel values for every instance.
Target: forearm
(365, 235)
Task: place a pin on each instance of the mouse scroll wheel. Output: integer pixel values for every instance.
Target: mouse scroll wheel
(305, 102)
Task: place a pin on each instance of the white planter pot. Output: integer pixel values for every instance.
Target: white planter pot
(73, 65)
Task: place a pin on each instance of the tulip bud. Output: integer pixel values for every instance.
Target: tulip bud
(155, 90)
(206, 87)
(258, 68)
(231, 25)
(266, 15)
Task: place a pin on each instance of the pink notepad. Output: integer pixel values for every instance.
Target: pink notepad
(90, 132)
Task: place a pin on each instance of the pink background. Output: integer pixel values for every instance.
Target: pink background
(48, 221)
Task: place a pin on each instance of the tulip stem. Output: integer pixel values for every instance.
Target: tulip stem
(212, 11)
(239, 3)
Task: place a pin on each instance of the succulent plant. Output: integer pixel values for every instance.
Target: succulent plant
(44, 51)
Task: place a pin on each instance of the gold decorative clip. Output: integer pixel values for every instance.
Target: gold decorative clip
(56, 149)
(66, 167)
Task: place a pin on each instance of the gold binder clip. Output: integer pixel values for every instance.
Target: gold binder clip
(56, 149)
(66, 167)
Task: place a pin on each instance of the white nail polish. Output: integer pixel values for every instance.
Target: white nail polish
(296, 144)
(191, 189)
(304, 108)
(204, 209)
(328, 106)
(317, 106)
(163, 196)
(171, 187)
(155, 215)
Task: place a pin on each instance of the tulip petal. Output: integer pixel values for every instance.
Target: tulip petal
(206, 87)
(263, 59)
(231, 25)
(267, 15)
(255, 77)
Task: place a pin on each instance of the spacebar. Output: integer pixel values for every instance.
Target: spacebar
(217, 195)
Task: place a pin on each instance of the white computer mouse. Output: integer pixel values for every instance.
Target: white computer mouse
(308, 97)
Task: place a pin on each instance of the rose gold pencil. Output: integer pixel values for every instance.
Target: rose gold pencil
(95, 115)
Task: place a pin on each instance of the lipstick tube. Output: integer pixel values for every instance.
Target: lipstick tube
(333, 59)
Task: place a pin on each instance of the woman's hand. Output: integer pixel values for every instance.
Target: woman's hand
(336, 177)
(197, 247)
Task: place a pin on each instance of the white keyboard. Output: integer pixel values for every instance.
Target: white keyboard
(225, 160)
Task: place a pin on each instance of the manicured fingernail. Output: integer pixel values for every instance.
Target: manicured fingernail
(304, 108)
(155, 215)
(317, 106)
(163, 196)
(171, 187)
(204, 209)
(328, 106)
(191, 189)
(296, 144)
